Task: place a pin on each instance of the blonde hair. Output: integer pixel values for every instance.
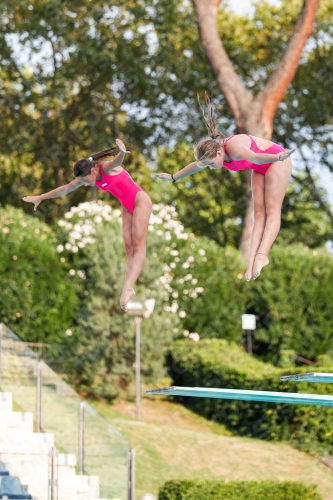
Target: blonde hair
(208, 148)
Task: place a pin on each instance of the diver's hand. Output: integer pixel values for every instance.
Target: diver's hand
(164, 177)
(37, 200)
(284, 156)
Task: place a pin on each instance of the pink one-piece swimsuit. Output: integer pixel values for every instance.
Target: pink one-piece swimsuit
(121, 186)
(243, 164)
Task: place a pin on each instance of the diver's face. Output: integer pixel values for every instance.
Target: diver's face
(89, 180)
(214, 163)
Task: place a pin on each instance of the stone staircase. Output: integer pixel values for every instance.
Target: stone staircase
(25, 454)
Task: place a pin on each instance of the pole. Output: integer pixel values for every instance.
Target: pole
(137, 365)
(39, 397)
(53, 474)
(2, 328)
(249, 342)
(131, 475)
(81, 437)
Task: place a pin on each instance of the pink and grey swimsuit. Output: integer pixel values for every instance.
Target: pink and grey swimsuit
(243, 164)
(121, 186)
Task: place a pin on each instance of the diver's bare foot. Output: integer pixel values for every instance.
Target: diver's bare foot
(248, 272)
(260, 261)
(126, 295)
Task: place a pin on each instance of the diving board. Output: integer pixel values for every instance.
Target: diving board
(309, 377)
(241, 395)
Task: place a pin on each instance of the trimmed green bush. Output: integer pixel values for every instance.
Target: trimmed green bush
(37, 294)
(217, 363)
(237, 490)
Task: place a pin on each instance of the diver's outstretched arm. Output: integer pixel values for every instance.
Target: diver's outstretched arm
(55, 193)
(190, 169)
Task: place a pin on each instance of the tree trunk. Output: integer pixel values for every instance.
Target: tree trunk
(253, 114)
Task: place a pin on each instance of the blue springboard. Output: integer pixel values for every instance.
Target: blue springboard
(309, 377)
(265, 396)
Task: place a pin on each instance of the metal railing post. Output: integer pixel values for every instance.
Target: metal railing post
(2, 331)
(39, 397)
(131, 475)
(137, 365)
(81, 437)
(53, 475)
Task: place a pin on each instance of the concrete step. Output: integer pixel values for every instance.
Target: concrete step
(6, 404)
(16, 420)
(22, 441)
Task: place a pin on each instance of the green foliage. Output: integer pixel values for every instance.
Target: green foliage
(217, 363)
(235, 490)
(38, 298)
(98, 70)
(289, 299)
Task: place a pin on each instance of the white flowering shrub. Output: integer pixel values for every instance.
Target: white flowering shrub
(196, 278)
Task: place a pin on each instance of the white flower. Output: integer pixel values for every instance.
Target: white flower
(190, 259)
(72, 272)
(81, 274)
(174, 252)
(187, 277)
(194, 281)
(182, 314)
(75, 249)
(68, 215)
(175, 295)
(98, 219)
(173, 265)
(75, 235)
(62, 222)
(194, 336)
(68, 246)
(201, 252)
(60, 248)
(174, 307)
(186, 265)
(186, 333)
(199, 289)
(69, 332)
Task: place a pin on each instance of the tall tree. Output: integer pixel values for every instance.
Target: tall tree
(253, 114)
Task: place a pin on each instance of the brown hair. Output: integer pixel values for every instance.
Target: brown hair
(83, 167)
(208, 148)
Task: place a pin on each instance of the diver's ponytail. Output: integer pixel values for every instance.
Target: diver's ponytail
(104, 154)
(211, 121)
(83, 167)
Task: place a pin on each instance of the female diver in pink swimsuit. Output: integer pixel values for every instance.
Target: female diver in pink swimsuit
(137, 206)
(271, 170)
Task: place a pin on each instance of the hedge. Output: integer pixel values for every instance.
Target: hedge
(237, 490)
(217, 363)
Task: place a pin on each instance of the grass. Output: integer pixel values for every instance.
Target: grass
(171, 442)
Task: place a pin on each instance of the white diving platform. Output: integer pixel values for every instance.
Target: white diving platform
(309, 377)
(265, 396)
